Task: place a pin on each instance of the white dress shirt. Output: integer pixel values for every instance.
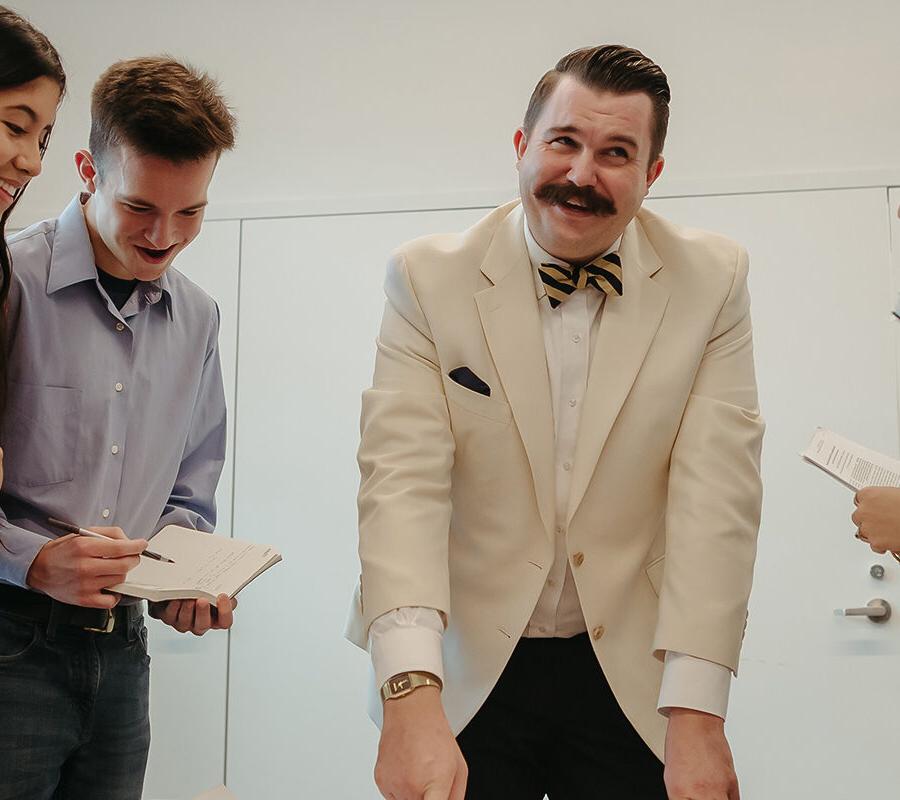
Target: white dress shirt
(410, 638)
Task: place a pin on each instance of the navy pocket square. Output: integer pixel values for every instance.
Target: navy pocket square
(465, 377)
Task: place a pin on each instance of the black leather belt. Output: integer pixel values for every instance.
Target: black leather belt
(41, 608)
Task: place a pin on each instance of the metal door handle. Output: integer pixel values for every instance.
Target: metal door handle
(876, 610)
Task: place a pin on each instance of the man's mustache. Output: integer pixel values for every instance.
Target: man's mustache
(557, 193)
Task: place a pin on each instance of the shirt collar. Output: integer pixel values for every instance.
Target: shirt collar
(539, 256)
(72, 260)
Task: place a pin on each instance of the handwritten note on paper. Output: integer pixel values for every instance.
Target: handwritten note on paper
(205, 565)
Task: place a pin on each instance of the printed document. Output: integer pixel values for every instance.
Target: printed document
(852, 464)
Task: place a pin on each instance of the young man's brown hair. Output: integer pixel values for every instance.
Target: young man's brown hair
(160, 107)
(609, 68)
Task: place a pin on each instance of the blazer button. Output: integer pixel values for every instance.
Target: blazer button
(578, 559)
(598, 632)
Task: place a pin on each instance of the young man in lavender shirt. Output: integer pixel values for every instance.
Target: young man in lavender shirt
(115, 421)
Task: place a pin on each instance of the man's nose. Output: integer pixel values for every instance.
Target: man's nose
(160, 234)
(582, 170)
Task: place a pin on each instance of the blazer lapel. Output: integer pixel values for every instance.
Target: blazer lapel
(626, 330)
(512, 326)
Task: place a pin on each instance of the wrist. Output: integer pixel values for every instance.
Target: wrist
(422, 707)
(695, 718)
(35, 577)
(404, 684)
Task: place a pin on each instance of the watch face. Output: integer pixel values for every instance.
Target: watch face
(400, 683)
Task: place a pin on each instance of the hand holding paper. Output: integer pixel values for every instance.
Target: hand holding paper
(875, 476)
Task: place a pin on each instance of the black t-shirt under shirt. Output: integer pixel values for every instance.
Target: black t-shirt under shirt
(118, 289)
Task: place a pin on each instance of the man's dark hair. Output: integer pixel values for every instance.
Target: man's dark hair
(160, 107)
(609, 68)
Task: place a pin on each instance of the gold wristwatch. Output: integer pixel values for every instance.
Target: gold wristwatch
(405, 683)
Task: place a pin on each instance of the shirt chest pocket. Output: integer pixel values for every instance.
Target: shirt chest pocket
(40, 434)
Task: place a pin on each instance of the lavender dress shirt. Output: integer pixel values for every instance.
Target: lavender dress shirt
(114, 417)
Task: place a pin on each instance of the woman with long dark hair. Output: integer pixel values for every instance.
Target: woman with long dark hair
(32, 82)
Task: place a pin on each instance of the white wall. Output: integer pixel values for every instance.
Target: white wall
(359, 106)
(350, 101)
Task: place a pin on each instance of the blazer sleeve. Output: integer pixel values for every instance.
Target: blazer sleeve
(715, 494)
(405, 459)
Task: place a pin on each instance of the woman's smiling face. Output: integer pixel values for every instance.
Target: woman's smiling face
(27, 114)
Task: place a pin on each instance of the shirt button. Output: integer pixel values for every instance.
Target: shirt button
(598, 632)
(567, 466)
(551, 582)
(559, 529)
(105, 513)
(120, 387)
(120, 326)
(578, 559)
(573, 402)
(576, 338)
(542, 629)
(114, 449)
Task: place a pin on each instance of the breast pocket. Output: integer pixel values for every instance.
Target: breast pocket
(40, 434)
(476, 403)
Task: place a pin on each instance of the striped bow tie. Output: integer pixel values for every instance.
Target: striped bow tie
(604, 274)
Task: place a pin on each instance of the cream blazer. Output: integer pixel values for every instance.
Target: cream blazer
(456, 503)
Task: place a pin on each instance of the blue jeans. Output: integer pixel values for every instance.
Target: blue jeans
(74, 712)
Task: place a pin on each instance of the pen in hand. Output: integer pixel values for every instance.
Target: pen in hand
(71, 528)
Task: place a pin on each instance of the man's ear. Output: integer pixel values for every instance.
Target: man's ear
(520, 142)
(655, 171)
(87, 170)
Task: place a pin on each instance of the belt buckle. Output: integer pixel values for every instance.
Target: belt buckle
(107, 626)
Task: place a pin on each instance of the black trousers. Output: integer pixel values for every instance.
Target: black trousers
(553, 726)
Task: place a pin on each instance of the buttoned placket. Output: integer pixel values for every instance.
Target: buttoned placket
(567, 338)
(121, 382)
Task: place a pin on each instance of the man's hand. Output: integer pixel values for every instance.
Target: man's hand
(75, 569)
(196, 616)
(877, 517)
(418, 758)
(698, 759)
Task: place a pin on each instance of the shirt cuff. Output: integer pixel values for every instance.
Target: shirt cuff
(18, 549)
(406, 640)
(690, 682)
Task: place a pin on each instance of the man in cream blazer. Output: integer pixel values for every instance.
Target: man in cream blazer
(560, 475)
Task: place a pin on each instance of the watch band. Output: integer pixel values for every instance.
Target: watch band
(405, 683)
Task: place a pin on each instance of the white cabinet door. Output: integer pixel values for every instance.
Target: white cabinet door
(188, 675)
(814, 709)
